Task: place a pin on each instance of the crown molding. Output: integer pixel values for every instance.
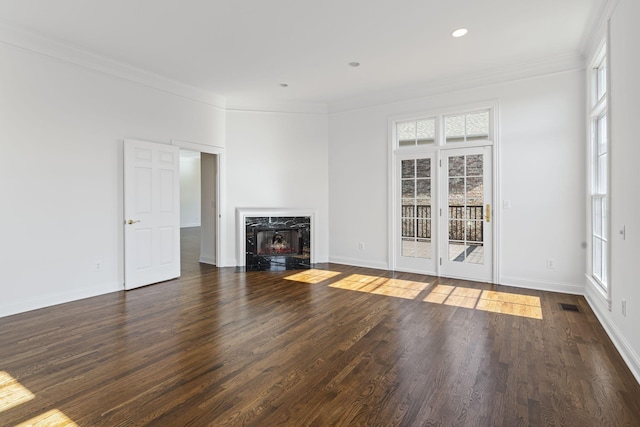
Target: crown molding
(596, 30)
(274, 106)
(36, 43)
(551, 65)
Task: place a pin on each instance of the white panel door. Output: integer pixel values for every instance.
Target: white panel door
(151, 213)
(466, 244)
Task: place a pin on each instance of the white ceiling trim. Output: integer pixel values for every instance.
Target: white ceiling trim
(596, 30)
(274, 106)
(35, 43)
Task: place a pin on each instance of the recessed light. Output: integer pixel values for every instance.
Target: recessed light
(284, 85)
(460, 32)
(354, 64)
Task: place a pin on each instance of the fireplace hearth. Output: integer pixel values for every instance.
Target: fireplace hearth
(278, 243)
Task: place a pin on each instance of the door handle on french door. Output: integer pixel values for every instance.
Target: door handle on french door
(131, 221)
(487, 214)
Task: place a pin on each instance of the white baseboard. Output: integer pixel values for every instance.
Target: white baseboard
(542, 285)
(602, 312)
(42, 301)
(207, 260)
(360, 263)
(190, 224)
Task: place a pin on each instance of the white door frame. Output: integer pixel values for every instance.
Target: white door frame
(220, 199)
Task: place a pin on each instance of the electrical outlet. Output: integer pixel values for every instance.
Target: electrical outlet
(98, 266)
(624, 307)
(361, 246)
(551, 263)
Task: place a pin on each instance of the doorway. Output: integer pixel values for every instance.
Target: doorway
(198, 211)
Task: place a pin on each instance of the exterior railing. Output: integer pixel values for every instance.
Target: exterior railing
(465, 222)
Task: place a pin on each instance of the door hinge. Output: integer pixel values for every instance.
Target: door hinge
(440, 211)
(440, 261)
(440, 162)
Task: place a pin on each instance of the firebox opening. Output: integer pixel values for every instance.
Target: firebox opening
(278, 243)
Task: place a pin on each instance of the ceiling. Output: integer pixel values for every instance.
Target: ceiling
(247, 48)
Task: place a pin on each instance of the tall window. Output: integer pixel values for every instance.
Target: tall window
(599, 172)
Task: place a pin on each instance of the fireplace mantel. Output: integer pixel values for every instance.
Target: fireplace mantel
(243, 213)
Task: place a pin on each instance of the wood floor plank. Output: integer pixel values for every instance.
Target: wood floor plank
(354, 347)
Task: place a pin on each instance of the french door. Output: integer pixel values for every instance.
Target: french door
(444, 213)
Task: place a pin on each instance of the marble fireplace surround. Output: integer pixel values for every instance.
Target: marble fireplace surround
(243, 213)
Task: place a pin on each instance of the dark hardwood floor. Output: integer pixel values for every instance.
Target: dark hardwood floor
(223, 347)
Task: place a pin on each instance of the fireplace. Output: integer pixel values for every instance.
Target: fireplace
(278, 243)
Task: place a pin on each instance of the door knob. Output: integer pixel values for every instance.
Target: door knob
(131, 221)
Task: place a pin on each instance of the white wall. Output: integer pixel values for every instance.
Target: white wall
(209, 208)
(190, 189)
(542, 173)
(61, 133)
(624, 110)
(277, 160)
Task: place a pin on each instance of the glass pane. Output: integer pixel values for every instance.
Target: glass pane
(423, 188)
(602, 174)
(597, 258)
(474, 165)
(423, 228)
(597, 217)
(457, 230)
(423, 169)
(475, 191)
(474, 231)
(408, 168)
(408, 189)
(477, 126)
(457, 251)
(406, 133)
(456, 166)
(602, 135)
(423, 248)
(454, 130)
(408, 209)
(475, 254)
(408, 248)
(408, 228)
(603, 278)
(604, 218)
(423, 209)
(456, 192)
(426, 131)
(602, 80)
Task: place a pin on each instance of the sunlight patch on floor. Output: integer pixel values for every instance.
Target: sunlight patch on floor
(313, 276)
(381, 286)
(13, 394)
(455, 296)
(52, 418)
(492, 301)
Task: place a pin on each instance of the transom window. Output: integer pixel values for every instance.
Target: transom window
(467, 127)
(448, 129)
(417, 132)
